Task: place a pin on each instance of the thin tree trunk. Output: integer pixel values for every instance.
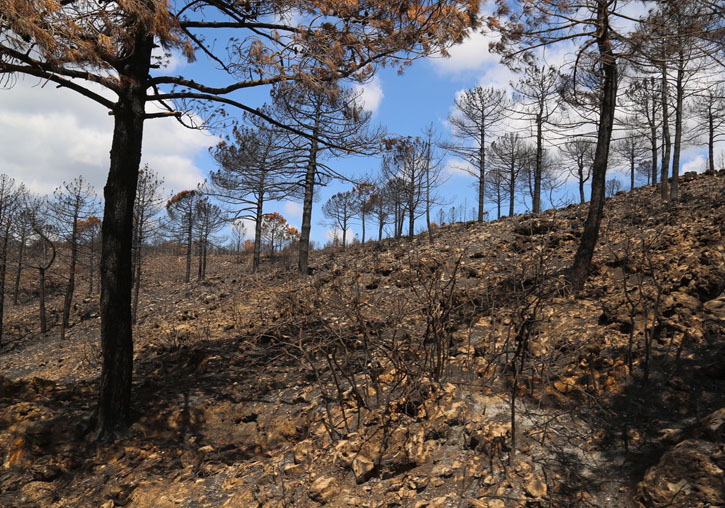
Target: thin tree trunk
(711, 139)
(137, 285)
(92, 267)
(674, 187)
(43, 319)
(68, 301)
(258, 217)
(363, 228)
(411, 207)
(304, 250)
(189, 238)
(18, 273)
(201, 258)
(536, 205)
(582, 197)
(344, 232)
(427, 195)
(3, 271)
(482, 173)
(114, 401)
(499, 199)
(666, 142)
(653, 138)
(631, 169)
(607, 105)
(512, 183)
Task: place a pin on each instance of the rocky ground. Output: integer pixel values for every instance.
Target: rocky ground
(458, 373)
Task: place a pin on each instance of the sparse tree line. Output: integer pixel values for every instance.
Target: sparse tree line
(644, 74)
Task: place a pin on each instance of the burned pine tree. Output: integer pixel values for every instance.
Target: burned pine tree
(146, 206)
(181, 212)
(258, 166)
(72, 203)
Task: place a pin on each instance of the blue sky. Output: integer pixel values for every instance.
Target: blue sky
(50, 135)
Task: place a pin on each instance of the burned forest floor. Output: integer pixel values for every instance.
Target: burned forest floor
(452, 370)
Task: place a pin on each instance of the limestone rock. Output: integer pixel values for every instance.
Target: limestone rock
(324, 489)
(363, 468)
(535, 486)
(690, 474)
(716, 308)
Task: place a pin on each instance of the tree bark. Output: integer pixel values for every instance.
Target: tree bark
(137, 282)
(711, 139)
(43, 319)
(199, 268)
(607, 105)
(114, 401)
(18, 273)
(666, 142)
(536, 201)
(304, 251)
(653, 138)
(482, 173)
(68, 300)
(91, 268)
(258, 217)
(411, 206)
(512, 185)
(674, 187)
(189, 241)
(582, 197)
(3, 271)
(42, 269)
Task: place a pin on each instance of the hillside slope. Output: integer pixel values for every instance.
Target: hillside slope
(462, 372)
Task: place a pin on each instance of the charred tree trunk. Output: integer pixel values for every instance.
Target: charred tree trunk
(199, 276)
(68, 300)
(43, 318)
(3, 272)
(114, 401)
(41, 271)
(653, 140)
(632, 156)
(411, 207)
(91, 268)
(481, 175)
(256, 257)
(582, 197)
(189, 246)
(304, 252)
(137, 283)
(674, 187)
(344, 232)
(711, 138)
(18, 273)
(666, 142)
(607, 105)
(536, 201)
(512, 185)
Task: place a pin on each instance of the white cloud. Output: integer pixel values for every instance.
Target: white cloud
(371, 94)
(458, 167)
(53, 135)
(697, 164)
(472, 54)
(292, 210)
